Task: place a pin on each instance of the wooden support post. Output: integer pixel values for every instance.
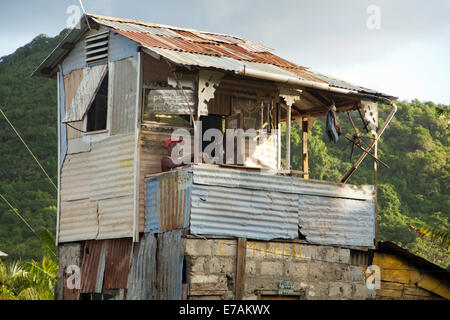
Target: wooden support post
(240, 267)
(279, 137)
(375, 183)
(305, 164)
(288, 138)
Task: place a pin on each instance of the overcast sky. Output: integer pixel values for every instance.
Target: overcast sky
(408, 56)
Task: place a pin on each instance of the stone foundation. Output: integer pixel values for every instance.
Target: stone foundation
(286, 269)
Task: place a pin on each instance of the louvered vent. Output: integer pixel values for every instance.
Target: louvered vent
(97, 47)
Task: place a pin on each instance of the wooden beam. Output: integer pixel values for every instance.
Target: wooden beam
(240, 267)
(305, 164)
(288, 138)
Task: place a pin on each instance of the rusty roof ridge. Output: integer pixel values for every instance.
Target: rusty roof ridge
(157, 25)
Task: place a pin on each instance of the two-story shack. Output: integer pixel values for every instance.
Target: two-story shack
(250, 229)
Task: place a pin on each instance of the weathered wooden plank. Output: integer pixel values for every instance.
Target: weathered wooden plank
(240, 267)
(92, 78)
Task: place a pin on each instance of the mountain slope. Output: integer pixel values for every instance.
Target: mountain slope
(30, 104)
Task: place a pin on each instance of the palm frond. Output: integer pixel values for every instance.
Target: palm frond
(437, 236)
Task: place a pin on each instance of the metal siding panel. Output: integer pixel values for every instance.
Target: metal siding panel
(142, 279)
(151, 148)
(239, 212)
(169, 266)
(117, 264)
(124, 96)
(78, 219)
(152, 206)
(75, 177)
(104, 176)
(89, 268)
(335, 221)
(76, 58)
(168, 201)
(115, 217)
(213, 175)
(121, 47)
(112, 172)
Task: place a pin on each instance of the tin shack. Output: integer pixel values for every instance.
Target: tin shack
(247, 227)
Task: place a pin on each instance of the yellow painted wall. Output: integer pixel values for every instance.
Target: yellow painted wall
(401, 280)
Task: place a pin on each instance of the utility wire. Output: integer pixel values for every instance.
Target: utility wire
(16, 211)
(20, 216)
(29, 150)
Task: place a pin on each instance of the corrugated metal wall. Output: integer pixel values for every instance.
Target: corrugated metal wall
(169, 265)
(216, 176)
(168, 201)
(254, 205)
(117, 263)
(338, 221)
(157, 267)
(97, 177)
(151, 149)
(106, 265)
(123, 90)
(142, 279)
(240, 212)
(97, 191)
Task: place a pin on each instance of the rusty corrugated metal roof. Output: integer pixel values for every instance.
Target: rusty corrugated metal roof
(205, 49)
(199, 42)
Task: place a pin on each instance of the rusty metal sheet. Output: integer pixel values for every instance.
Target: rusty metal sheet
(168, 198)
(169, 265)
(142, 279)
(187, 45)
(337, 221)
(89, 268)
(117, 263)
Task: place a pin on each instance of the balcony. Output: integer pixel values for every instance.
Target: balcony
(214, 200)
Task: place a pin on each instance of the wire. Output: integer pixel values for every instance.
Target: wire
(85, 16)
(82, 131)
(29, 150)
(20, 216)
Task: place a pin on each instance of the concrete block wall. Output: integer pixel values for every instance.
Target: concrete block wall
(316, 272)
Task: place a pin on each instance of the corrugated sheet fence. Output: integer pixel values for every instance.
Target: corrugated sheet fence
(254, 205)
(157, 268)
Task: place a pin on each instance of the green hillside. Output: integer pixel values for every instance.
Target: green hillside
(30, 104)
(415, 146)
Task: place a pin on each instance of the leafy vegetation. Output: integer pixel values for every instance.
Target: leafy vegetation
(33, 280)
(414, 191)
(30, 104)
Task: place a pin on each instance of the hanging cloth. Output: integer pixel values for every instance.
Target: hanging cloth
(333, 128)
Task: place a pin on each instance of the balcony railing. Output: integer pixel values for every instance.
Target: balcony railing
(213, 200)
